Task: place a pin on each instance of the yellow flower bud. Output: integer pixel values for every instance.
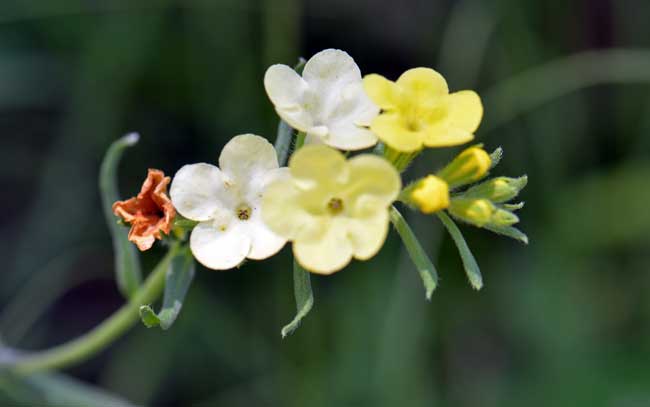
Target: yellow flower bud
(469, 166)
(431, 194)
(475, 211)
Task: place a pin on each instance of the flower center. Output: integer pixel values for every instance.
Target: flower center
(335, 206)
(243, 212)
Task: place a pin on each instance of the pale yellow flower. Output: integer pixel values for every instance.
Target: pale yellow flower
(418, 110)
(332, 209)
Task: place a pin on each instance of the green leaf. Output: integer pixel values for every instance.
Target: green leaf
(177, 281)
(127, 262)
(419, 257)
(469, 262)
(304, 297)
(283, 142)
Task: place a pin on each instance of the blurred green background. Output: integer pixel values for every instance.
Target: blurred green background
(564, 321)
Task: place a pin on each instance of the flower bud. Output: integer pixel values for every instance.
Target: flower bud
(497, 190)
(430, 194)
(478, 212)
(469, 166)
(503, 217)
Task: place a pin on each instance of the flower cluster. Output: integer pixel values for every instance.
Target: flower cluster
(333, 202)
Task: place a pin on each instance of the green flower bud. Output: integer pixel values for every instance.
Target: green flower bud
(478, 212)
(500, 189)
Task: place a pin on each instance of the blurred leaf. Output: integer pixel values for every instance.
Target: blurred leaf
(304, 297)
(469, 262)
(604, 210)
(127, 262)
(177, 282)
(534, 87)
(495, 157)
(419, 257)
(54, 389)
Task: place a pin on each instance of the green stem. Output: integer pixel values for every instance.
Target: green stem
(82, 348)
(300, 141)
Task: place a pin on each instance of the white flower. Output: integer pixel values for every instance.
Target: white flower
(227, 202)
(328, 102)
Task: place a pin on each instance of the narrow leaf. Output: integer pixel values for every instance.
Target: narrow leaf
(419, 257)
(304, 297)
(177, 281)
(283, 142)
(508, 231)
(127, 262)
(469, 262)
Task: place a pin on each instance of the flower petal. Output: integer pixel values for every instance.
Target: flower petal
(423, 85)
(318, 164)
(264, 242)
(368, 235)
(390, 129)
(384, 93)
(465, 110)
(290, 95)
(444, 136)
(247, 157)
(217, 249)
(198, 191)
(348, 136)
(285, 212)
(330, 253)
(329, 71)
(374, 185)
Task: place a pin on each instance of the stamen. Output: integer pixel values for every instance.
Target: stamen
(243, 212)
(335, 205)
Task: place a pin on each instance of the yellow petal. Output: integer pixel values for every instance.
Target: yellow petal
(390, 129)
(383, 92)
(316, 164)
(374, 185)
(285, 213)
(423, 85)
(444, 136)
(330, 253)
(367, 235)
(465, 110)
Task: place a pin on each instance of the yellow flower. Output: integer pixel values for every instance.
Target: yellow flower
(431, 194)
(332, 209)
(469, 166)
(418, 110)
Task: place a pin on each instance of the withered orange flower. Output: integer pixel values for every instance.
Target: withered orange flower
(150, 212)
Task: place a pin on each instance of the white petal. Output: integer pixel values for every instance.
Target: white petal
(290, 95)
(247, 157)
(329, 71)
(264, 243)
(348, 136)
(198, 191)
(219, 249)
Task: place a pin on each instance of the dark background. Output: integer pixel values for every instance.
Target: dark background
(564, 321)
